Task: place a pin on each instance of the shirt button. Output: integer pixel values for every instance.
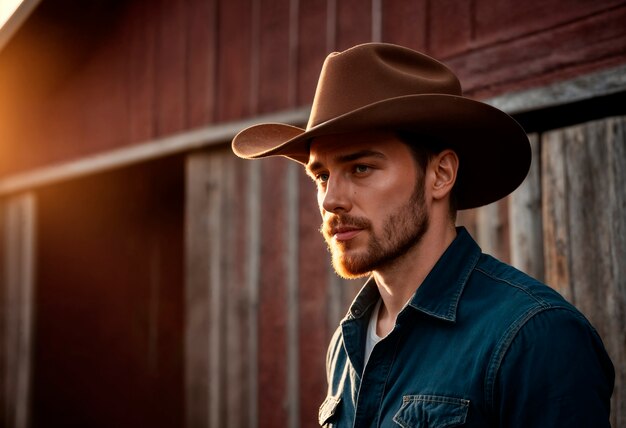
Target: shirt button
(357, 312)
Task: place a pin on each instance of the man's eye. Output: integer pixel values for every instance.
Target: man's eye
(361, 169)
(322, 178)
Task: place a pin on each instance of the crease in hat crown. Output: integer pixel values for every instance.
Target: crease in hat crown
(373, 72)
(350, 82)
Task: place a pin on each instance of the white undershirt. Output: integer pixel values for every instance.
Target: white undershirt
(371, 337)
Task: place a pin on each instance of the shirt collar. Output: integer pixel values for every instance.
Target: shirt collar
(441, 290)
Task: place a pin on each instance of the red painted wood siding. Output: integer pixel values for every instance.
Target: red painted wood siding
(148, 69)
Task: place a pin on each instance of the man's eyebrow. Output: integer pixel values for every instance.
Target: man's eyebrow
(349, 157)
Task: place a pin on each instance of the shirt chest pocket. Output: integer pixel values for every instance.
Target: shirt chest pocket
(430, 411)
(328, 409)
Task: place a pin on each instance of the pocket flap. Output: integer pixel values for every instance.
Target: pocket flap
(328, 409)
(430, 411)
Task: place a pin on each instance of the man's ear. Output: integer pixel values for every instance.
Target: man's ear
(444, 166)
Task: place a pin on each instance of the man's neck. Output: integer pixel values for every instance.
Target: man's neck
(398, 281)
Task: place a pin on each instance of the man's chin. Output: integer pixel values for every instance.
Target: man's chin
(350, 268)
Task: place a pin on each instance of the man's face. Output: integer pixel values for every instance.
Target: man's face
(371, 197)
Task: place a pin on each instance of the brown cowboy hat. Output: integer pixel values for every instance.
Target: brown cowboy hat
(382, 86)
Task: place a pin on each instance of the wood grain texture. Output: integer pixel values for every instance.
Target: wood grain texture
(531, 59)
(405, 23)
(313, 290)
(585, 234)
(276, 76)
(218, 327)
(17, 288)
(354, 23)
(273, 399)
(525, 223)
(201, 62)
(109, 76)
(198, 375)
(170, 67)
(492, 229)
(236, 89)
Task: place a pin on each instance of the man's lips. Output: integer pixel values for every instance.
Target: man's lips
(345, 233)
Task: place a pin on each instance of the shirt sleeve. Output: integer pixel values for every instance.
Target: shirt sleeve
(555, 373)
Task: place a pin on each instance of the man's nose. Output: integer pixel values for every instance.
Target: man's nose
(336, 197)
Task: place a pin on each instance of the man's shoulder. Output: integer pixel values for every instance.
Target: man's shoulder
(518, 308)
(499, 293)
(506, 283)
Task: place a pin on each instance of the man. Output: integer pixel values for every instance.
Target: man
(441, 335)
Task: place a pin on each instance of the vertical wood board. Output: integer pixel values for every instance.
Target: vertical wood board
(201, 62)
(273, 398)
(17, 290)
(198, 376)
(234, 62)
(588, 219)
(354, 23)
(170, 67)
(405, 23)
(525, 224)
(276, 76)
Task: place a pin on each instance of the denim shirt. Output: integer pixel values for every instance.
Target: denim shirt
(480, 344)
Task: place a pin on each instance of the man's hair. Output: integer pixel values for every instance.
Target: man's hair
(424, 148)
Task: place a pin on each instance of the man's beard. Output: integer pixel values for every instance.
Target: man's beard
(402, 230)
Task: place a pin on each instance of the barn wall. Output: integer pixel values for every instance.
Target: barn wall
(101, 75)
(261, 299)
(260, 288)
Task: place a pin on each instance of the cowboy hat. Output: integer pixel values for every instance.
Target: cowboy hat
(383, 86)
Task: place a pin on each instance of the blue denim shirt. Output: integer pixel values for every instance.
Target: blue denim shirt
(480, 344)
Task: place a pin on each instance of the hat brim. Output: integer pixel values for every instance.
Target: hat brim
(493, 149)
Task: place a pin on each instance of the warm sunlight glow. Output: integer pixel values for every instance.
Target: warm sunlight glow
(7, 8)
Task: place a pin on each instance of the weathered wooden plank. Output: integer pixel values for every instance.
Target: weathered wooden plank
(313, 330)
(467, 219)
(232, 247)
(596, 174)
(253, 283)
(17, 290)
(141, 71)
(354, 23)
(273, 296)
(220, 320)
(199, 338)
(530, 61)
(446, 14)
(312, 48)
(236, 92)
(189, 141)
(331, 25)
(492, 230)
(405, 23)
(170, 67)
(104, 87)
(291, 258)
(555, 224)
(276, 81)
(201, 55)
(591, 170)
(525, 224)
(217, 309)
(510, 19)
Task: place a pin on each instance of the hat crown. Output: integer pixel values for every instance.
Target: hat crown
(373, 72)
